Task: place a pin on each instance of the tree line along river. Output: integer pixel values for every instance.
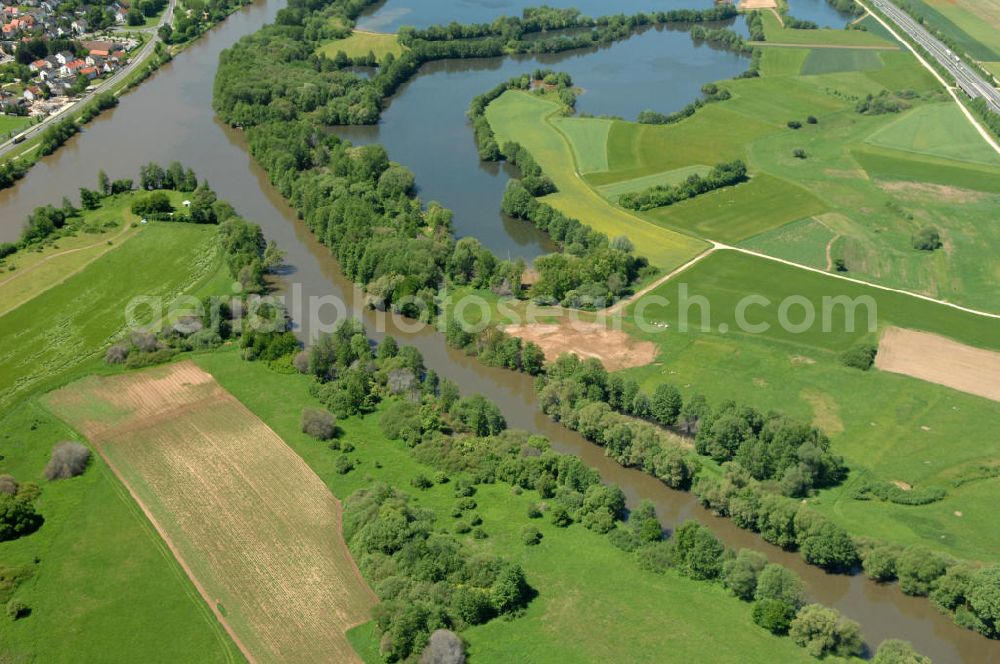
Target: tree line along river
(170, 118)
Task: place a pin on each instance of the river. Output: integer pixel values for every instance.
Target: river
(169, 117)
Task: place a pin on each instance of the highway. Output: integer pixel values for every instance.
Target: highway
(970, 81)
(136, 61)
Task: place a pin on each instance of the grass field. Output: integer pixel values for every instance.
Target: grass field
(128, 595)
(523, 117)
(974, 25)
(898, 165)
(778, 34)
(361, 42)
(887, 426)
(28, 273)
(12, 124)
(75, 320)
(258, 532)
(734, 214)
(829, 60)
(612, 192)
(593, 604)
(589, 138)
(939, 130)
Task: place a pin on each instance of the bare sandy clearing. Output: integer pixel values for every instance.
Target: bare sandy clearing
(758, 4)
(256, 530)
(940, 360)
(932, 191)
(615, 349)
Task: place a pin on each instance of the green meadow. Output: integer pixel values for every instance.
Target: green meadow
(524, 117)
(829, 60)
(593, 604)
(776, 33)
(11, 124)
(360, 43)
(589, 139)
(76, 319)
(887, 426)
(939, 130)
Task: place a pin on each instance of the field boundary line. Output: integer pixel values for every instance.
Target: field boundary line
(177, 556)
(861, 282)
(859, 47)
(969, 116)
(662, 280)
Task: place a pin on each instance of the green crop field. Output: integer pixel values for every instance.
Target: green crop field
(128, 595)
(74, 320)
(523, 117)
(895, 164)
(593, 605)
(361, 42)
(734, 214)
(829, 60)
(611, 192)
(777, 34)
(589, 138)
(939, 130)
(783, 61)
(886, 425)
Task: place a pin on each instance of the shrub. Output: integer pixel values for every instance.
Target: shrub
(560, 517)
(344, 464)
(534, 512)
(68, 460)
(318, 423)
(530, 535)
(780, 583)
(117, 354)
(894, 651)
(839, 264)
(462, 527)
(16, 609)
(812, 120)
(8, 485)
(860, 357)
(155, 203)
(799, 153)
(740, 574)
(928, 239)
(918, 568)
(17, 518)
(879, 562)
(421, 482)
(794, 124)
(444, 647)
(301, 361)
(773, 615)
(823, 631)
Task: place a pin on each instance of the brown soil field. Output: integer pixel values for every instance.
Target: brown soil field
(256, 530)
(615, 349)
(940, 360)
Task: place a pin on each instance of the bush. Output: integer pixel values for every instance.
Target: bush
(8, 485)
(794, 124)
(421, 482)
(823, 631)
(799, 153)
(530, 535)
(928, 239)
(534, 512)
(117, 354)
(17, 518)
(773, 615)
(68, 460)
(16, 609)
(320, 424)
(918, 568)
(860, 357)
(895, 651)
(155, 203)
(344, 464)
(444, 647)
(879, 562)
(812, 120)
(560, 517)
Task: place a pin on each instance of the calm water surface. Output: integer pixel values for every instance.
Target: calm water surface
(169, 117)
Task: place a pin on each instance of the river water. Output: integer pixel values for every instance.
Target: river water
(169, 117)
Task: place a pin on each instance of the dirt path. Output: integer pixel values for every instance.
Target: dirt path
(619, 306)
(864, 47)
(940, 360)
(21, 273)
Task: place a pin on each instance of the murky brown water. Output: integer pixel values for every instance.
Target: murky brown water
(169, 117)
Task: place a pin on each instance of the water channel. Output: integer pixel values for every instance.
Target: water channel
(169, 118)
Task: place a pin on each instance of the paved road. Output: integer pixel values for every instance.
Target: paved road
(137, 61)
(967, 78)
